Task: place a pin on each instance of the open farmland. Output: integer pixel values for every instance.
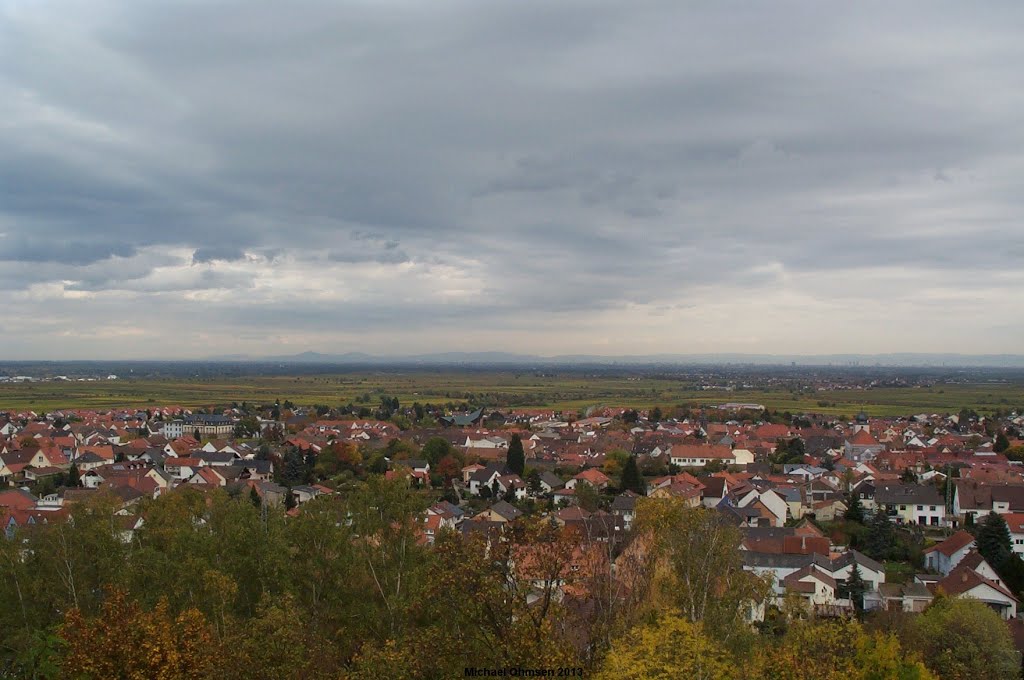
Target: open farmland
(504, 389)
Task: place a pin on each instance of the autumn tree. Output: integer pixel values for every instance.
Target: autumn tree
(125, 641)
(391, 560)
(699, 568)
(836, 650)
(279, 642)
(670, 647)
(505, 604)
(614, 462)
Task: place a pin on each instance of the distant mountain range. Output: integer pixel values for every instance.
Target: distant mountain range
(509, 358)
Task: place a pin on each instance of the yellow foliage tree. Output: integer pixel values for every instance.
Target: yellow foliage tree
(127, 642)
(670, 647)
(698, 566)
(838, 650)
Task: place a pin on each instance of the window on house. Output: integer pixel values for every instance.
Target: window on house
(920, 507)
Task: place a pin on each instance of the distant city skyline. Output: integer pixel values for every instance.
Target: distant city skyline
(186, 180)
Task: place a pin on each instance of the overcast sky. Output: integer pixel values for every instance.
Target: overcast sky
(185, 179)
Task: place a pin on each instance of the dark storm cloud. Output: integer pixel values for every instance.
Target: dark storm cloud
(418, 161)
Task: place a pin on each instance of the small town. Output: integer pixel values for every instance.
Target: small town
(870, 520)
(405, 340)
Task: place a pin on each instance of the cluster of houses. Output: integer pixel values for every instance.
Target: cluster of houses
(931, 472)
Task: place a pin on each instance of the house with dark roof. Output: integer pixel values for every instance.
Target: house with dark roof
(872, 572)
(500, 512)
(624, 506)
(715, 489)
(911, 504)
(972, 498)
(486, 476)
(906, 597)
(463, 419)
(549, 481)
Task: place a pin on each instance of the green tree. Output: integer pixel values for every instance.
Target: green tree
(1002, 442)
(533, 482)
(994, 541)
(73, 475)
(995, 545)
(881, 536)
(631, 478)
(1015, 453)
(854, 509)
(855, 588)
(587, 497)
(963, 639)
(437, 448)
(516, 459)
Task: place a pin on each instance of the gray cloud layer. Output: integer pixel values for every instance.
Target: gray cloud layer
(576, 176)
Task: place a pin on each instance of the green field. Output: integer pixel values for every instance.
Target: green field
(498, 389)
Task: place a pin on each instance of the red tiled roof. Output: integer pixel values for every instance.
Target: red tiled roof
(864, 438)
(964, 579)
(952, 544)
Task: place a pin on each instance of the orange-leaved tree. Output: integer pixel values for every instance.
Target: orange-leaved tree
(125, 641)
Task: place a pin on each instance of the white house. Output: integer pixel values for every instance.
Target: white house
(871, 571)
(483, 477)
(911, 504)
(173, 429)
(1015, 520)
(486, 443)
(813, 584)
(771, 499)
(965, 582)
(944, 557)
(689, 455)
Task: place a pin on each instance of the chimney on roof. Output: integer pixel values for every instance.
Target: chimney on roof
(963, 577)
